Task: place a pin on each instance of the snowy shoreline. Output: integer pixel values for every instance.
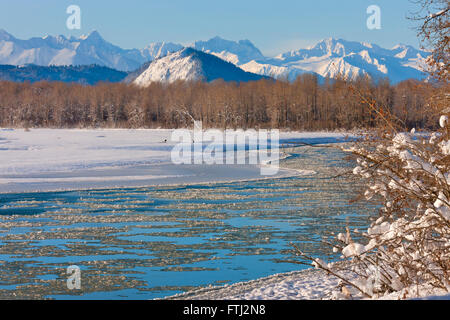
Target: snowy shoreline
(296, 285)
(43, 160)
(308, 284)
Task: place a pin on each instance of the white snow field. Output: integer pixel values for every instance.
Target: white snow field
(309, 284)
(297, 285)
(68, 159)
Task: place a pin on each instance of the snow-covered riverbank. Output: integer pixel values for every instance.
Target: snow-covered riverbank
(63, 159)
(309, 284)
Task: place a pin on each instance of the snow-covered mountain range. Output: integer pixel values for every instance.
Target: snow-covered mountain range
(328, 58)
(191, 64)
(332, 57)
(85, 50)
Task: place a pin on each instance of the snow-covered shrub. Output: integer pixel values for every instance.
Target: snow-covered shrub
(409, 243)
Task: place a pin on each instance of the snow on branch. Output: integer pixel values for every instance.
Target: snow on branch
(408, 244)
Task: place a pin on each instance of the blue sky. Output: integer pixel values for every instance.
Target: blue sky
(273, 26)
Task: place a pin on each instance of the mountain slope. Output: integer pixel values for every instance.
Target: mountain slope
(192, 65)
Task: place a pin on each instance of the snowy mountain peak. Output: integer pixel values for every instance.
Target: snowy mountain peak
(331, 57)
(237, 52)
(93, 36)
(340, 47)
(160, 49)
(401, 46)
(367, 44)
(53, 41)
(190, 64)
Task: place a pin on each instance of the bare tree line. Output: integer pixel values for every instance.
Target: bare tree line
(305, 104)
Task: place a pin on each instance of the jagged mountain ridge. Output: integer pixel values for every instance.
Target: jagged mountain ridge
(327, 58)
(85, 50)
(332, 57)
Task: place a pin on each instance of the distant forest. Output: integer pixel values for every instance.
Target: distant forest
(304, 104)
(83, 74)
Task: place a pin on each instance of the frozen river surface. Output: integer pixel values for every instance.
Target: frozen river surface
(152, 242)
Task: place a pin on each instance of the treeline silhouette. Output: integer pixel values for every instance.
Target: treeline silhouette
(305, 104)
